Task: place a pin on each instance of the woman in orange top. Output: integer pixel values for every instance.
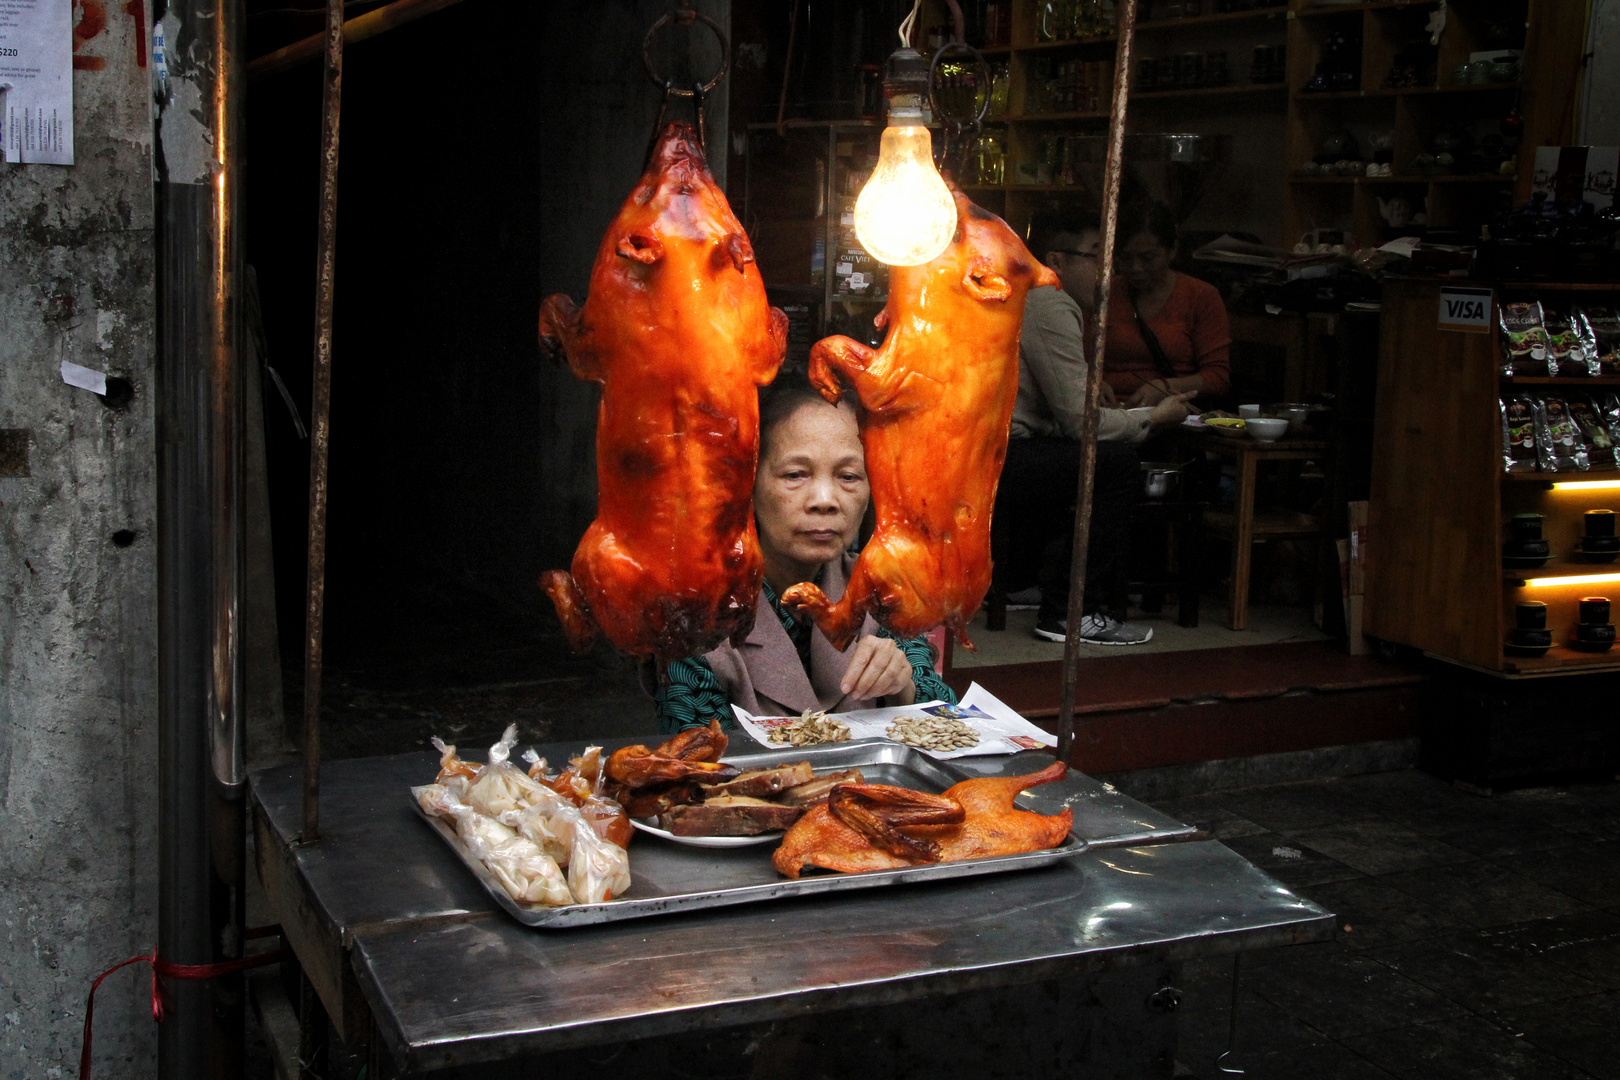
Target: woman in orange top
(1186, 317)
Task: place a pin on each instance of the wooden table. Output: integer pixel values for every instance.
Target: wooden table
(1244, 523)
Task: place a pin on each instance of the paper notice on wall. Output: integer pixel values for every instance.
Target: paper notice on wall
(36, 81)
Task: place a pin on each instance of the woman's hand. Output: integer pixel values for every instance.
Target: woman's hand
(879, 668)
(1145, 396)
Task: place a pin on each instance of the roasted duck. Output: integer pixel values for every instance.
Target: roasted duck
(875, 827)
(938, 397)
(678, 332)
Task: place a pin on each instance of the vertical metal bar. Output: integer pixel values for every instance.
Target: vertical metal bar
(321, 407)
(198, 392)
(1099, 334)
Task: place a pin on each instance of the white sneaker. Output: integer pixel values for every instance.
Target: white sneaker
(1101, 630)
(1024, 599)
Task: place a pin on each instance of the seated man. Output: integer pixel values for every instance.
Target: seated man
(1042, 470)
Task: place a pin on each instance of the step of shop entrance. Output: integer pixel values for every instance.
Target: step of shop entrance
(1166, 725)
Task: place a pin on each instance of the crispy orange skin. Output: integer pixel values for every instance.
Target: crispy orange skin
(678, 332)
(937, 400)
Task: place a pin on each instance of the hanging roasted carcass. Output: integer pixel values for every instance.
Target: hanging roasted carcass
(678, 332)
(938, 397)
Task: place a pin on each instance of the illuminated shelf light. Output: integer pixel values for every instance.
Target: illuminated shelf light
(1586, 485)
(1578, 579)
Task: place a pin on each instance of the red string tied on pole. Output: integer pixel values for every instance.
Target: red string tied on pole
(169, 970)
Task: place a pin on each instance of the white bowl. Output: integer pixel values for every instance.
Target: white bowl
(1265, 429)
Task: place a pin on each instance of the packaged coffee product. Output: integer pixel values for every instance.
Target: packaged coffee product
(1569, 355)
(1604, 324)
(1525, 349)
(1600, 451)
(1559, 447)
(1518, 434)
(1608, 407)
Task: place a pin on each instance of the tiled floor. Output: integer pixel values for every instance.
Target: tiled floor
(1479, 937)
(1269, 624)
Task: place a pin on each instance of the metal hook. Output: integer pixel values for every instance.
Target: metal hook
(685, 16)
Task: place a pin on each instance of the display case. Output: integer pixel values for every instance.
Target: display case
(1442, 500)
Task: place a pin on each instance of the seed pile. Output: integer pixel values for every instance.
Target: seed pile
(809, 729)
(933, 733)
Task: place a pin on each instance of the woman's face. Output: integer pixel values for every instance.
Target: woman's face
(811, 489)
(1143, 261)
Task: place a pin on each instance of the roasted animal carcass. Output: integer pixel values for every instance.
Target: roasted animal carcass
(874, 827)
(649, 782)
(938, 397)
(678, 332)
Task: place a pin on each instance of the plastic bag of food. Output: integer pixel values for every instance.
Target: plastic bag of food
(598, 870)
(435, 800)
(1569, 356)
(584, 776)
(548, 821)
(1525, 348)
(455, 774)
(501, 786)
(1559, 447)
(1518, 434)
(480, 834)
(528, 874)
(1604, 323)
(1600, 446)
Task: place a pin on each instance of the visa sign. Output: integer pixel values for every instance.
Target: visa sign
(1467, 310)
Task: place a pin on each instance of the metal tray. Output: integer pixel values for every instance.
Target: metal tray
(669, 877)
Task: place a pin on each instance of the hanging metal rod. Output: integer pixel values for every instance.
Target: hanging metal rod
(356, 29)
(1088, 432)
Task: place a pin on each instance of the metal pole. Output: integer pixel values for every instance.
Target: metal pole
(320, 428)
(359, 28)
(1099, 334)
(199, 397)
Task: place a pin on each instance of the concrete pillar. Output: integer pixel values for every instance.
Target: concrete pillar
(78, 650)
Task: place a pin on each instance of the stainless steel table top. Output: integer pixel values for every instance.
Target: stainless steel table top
(451, 980)
(489, 990)
(376, 862)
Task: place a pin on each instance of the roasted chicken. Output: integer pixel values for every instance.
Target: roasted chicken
(938, 398)
(875, 827)
(678, 332)
(649, 782)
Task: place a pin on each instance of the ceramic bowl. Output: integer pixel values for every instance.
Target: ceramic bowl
(1266, 429)
(1526, 549)
(1530, 639)
(1594, 609)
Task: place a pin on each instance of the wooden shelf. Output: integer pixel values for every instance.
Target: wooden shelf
(1255, 15)
(1560, 569)
(1055, 117)
(1560, 380)
(1221, 91)
(1562, 286)
(1273, 522)
(1065, 43)
(1561, 658)
(1481, 179)
(1400, 91)
(1347, 9)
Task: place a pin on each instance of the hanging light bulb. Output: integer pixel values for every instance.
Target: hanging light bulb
(905, 215)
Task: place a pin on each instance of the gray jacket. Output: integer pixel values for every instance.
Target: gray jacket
(1052, 375)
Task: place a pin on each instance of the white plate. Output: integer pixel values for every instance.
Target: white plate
(708, 841)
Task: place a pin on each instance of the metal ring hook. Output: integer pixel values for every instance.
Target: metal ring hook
(685, 16)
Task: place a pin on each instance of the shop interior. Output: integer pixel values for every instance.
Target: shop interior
(462, 461)
(1331, 602)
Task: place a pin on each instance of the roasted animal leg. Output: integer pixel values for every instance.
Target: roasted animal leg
(696, 744)
(638, 767)
(876, 810)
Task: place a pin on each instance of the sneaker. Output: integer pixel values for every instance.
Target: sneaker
(1053, 629)
(1101, 630)
(1024, 599)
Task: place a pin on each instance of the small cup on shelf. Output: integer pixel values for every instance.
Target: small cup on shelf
(1532, 615)
(1525, 526)
(1594, 610)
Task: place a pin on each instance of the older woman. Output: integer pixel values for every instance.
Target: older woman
(1167, 331)
(810, 494)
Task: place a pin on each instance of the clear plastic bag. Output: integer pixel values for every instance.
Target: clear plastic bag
(501, 786)
(480, 834)
(548, 821)
(598, 869)
(435, 799)
(528, 874)
(455, 774)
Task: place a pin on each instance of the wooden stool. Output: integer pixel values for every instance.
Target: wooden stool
(1244, 524)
